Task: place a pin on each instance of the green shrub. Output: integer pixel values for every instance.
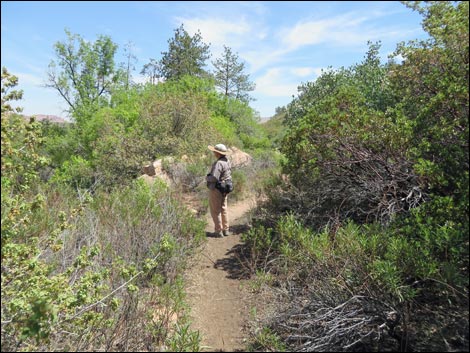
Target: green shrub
(76, 171)
(267, 340)
(226, 129)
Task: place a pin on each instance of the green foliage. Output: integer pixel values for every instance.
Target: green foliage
(142, 208)
(75, 171)
(60, 142)
(260, 280)
(371, 127)
(87, 73)
(184, 340)
(21, 160)
(227, 130)
(275, 128)
(345, 150)
(242, 116)
(35, 298)
(432, 85)
(292, 238)
(186, 55)
(64, 259)
(173, 120)
(312, 92)
(188, 83)
(229, 76)
(370, 78)
(142, 124)
(240, 182)
(440, 234)
(135, 235)
(125, 105)
(116, 134)
(267, 340)
(9, 81)
(390, 140)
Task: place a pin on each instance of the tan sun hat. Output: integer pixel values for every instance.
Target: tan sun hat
(220, 148)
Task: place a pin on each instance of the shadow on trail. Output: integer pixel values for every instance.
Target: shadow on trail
(237, 257)
(211, 235)
(233, 265)
(239, 228)
(236, 229)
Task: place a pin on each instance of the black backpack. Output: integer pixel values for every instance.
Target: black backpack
(225, 187)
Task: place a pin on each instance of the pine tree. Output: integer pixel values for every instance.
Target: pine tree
(186, 55)
(229, 76)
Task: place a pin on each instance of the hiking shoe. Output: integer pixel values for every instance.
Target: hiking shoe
(219, 234)
(226, 233)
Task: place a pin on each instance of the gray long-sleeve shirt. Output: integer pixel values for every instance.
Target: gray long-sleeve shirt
(221, 170)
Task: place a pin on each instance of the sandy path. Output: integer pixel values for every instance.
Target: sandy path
(214, 290)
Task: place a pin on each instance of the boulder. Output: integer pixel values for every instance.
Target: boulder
(238, 158)
(155, 170)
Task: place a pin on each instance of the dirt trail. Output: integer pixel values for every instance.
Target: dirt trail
(214, 291)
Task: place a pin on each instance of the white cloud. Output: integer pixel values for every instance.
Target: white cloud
(339, 30)
(276, 82)
(245, 37)
(262, 57)
(283, 81)
(260, 47)
(302, 71)
(349, 29)
(217, 32)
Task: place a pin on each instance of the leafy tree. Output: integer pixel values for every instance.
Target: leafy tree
(243, 117)
(87, 73)
(152, 71)
(186, 55)
(432, 85)
(373, 79)
(311, 92)
(229, 76)
(8, 82)
(174, 118)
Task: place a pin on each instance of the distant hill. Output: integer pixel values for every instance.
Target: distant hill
(274, 127)
(265, 119)
(51, 118)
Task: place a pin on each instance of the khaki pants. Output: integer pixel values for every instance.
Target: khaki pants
(218, 208)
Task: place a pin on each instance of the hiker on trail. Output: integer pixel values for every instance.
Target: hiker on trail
(220, 172)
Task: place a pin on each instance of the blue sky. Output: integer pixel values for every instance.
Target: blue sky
(281, 43)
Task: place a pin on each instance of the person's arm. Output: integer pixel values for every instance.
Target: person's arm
(214, 175)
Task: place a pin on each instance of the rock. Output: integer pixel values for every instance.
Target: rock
(238, 158)
(155, 170)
